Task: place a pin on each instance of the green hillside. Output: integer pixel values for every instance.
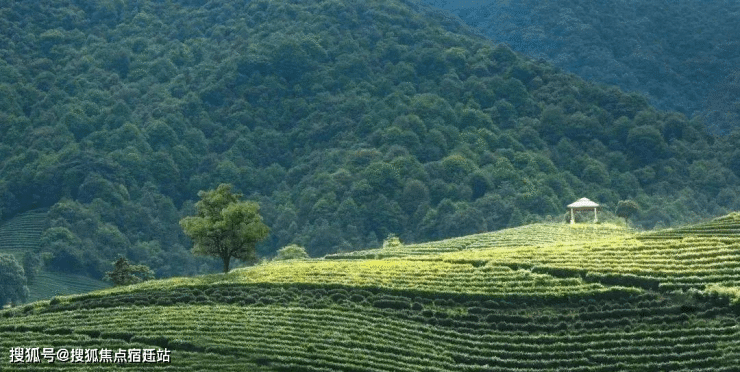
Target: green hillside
(345, 120)
(680, 54)
(596, 298)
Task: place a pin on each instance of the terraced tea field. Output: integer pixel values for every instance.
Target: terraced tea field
(21, 234)
(536, 298)
(536, 234)
(50, 284)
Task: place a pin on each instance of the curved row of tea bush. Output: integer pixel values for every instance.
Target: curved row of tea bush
(594, 303)
(545, 233)
(690, 257)
(642, 333)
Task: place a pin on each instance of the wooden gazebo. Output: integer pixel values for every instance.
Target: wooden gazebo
(583, 204)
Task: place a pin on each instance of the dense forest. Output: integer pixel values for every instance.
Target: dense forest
(682, 54)
(345, 120)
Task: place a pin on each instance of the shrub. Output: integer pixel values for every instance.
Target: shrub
(392, 241)
(391, 304)
(291, 252)
(356, 298)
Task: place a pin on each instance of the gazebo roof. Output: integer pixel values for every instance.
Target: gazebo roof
(583, 203)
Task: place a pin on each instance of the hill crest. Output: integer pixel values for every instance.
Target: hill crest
(343, 315)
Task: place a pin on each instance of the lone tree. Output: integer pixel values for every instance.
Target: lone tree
(626, 208)
(12, 281)
(124, 273)
(225, 227)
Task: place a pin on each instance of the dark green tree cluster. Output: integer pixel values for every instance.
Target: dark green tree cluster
(13, 284)
(627, 208)
(345, 121)
(124, 273)
(681, 55)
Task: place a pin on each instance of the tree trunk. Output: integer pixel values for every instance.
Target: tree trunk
(226, 259)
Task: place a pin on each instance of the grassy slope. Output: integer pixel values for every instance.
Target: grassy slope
(21, 234)
(539, 297)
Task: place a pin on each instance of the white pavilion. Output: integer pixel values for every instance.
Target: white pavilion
(583, 204)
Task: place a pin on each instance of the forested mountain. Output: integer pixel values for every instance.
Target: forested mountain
(345, 120)
(682, 54)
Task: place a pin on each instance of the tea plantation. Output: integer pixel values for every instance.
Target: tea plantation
(22, 235)
(542, 297)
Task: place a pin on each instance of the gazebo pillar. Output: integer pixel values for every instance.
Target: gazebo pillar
(596, 217)
(572, 220)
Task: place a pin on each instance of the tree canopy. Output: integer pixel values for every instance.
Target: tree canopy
(12, 280)
(627, 208)
(676, 55)
(124, 273)
(224, 226)
(392, 118)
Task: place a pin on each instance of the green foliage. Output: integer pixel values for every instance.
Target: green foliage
(346, 120)
(12, 280)
(383, 177)
(65, 248)
(672, 54)
(224, 226)
(32, 264)
(627, 208)
(125, 274)
(596, 173)
(291, 252)
(646, 142)
(455, 167)
(392, 242)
